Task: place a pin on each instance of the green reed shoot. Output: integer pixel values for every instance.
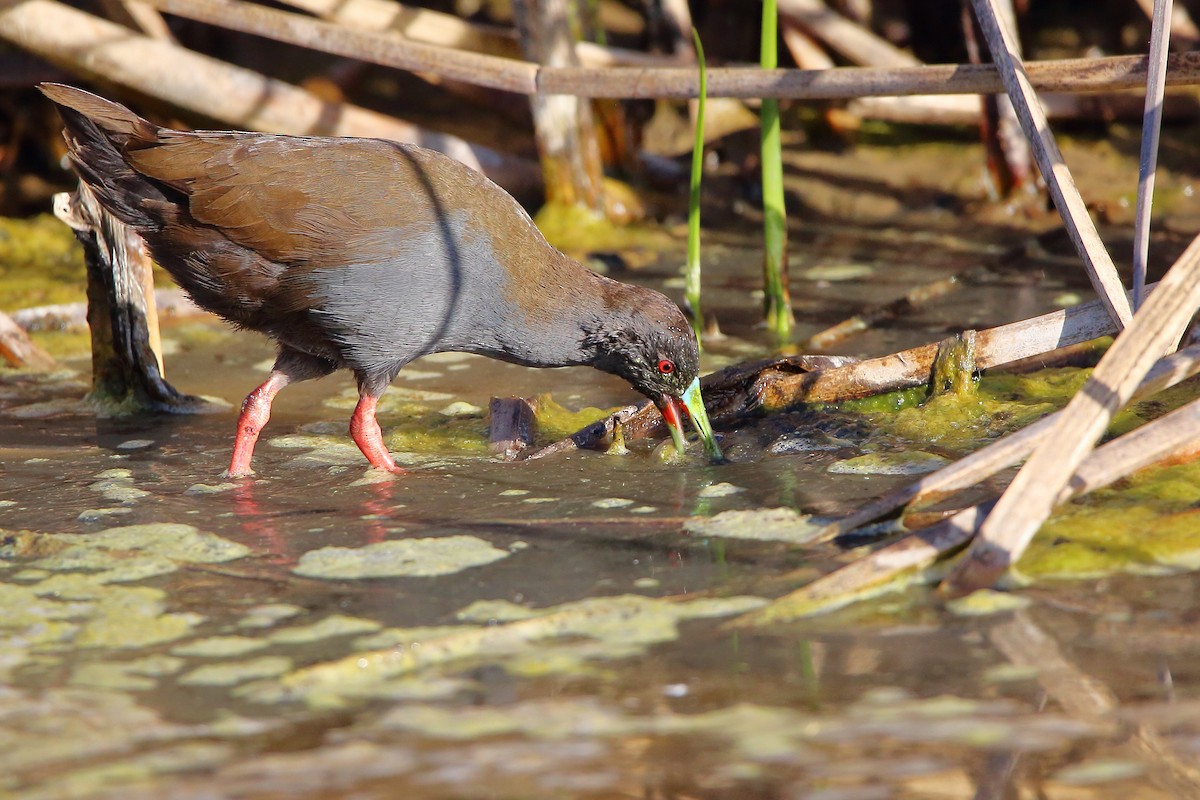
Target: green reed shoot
(777, 301)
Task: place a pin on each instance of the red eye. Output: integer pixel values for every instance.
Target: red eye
(666, 366)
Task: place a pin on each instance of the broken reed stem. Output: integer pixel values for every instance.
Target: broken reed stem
(777, 303)
(1030, 497)
(1168, 437)
(1160, 36)
(986, 462)
(1060, 184)
(692, 275)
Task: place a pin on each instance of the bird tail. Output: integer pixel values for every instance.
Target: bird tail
(98, 133)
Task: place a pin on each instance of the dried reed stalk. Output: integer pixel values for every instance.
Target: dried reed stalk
(1101, 271)
(1032, 494)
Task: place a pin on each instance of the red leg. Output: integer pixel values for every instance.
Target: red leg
(364, 428)
(256, 410)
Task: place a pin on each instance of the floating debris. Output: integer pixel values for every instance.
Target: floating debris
(231, 673)
(909, 462)
(722, 489)
(331, 626)
(219, 647)
(420, 558)
(612, 502)
(765, 524)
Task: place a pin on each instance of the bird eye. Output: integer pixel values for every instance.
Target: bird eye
(666, 366)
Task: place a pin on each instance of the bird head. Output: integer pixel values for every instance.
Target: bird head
(656, 351)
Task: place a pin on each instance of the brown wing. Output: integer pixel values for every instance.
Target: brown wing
(293, 200)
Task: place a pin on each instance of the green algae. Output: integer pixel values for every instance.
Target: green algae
(323, 450)
(1148, 523)
(219, 647)
(434, 432)
(172, 541)
(577, 230)
(231, 673)
(64, 344)
(596, 628)
(410, 424)
(130, 617)
(613, 502)
(985, 601)
(905, 462)
(116, 486)
(764, 524)
(41, 263)
(422, 558)
(837, 273)
(954, 367)
(394, 400)
(556, 421)
(268, 615)
(1099, 771)
(722, 489)
(83, 602)
(332, 626)
(209, 488)
(139, 674)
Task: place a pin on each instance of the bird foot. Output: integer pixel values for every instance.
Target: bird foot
(238, 473)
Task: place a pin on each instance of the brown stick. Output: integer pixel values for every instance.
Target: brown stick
(847, 83)
(1068, 75)
(908, 368)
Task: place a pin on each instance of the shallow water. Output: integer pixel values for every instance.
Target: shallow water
(557, 628)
